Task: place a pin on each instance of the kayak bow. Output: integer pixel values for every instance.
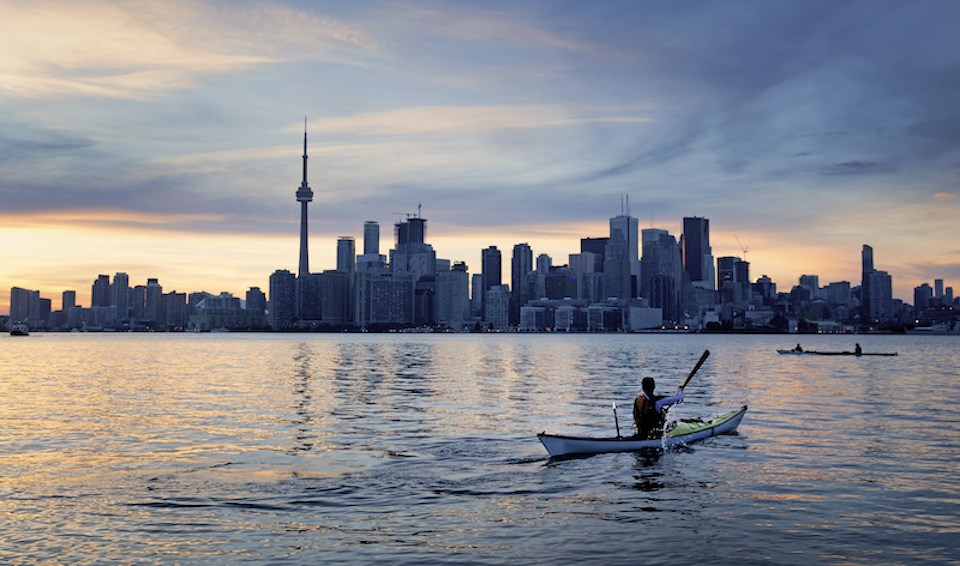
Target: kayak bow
(686, 431)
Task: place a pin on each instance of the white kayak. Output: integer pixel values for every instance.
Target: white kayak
(686, 431)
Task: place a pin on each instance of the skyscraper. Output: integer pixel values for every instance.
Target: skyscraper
(626, 226)
(304, 196)
(520, 265)
(120, 295)
(662, 273)
(411, 253)
(346, 255)
(371, 238)
(100, 292)
(490, 271)
(371, 259)
(283, 285)
(697, 254)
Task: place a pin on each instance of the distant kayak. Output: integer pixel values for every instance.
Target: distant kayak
(687, 430)
(816, 353)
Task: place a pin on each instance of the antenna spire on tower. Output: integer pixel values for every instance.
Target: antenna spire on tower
(304, 150)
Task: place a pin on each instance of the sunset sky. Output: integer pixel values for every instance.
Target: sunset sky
(163, 139)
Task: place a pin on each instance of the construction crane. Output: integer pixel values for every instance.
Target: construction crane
(744, 249)
(411, 214)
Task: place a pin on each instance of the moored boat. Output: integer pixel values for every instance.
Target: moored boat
(19, 330)
(686, 431)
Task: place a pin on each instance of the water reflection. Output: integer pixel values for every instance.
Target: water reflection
(273, 448)
(302, 398)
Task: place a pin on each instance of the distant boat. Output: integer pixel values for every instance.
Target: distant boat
(936, 329)
(816, 353)
(19, 329)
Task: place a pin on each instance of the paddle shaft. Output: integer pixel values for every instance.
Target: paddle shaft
(703, 358)
(616, 420)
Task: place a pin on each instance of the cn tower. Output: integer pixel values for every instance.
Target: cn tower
(304, 196)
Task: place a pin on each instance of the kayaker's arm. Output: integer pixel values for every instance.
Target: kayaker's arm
(667, 401)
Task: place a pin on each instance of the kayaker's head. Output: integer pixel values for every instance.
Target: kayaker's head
(648, 385)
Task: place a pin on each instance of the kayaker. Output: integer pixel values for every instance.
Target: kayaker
(798, 349)
(858, 350)
(650, 409)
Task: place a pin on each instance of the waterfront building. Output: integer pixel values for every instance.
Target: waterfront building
(256, 300)
(25, 307)
(453, 296)
(385, 298)
(335, 297)
(225, 311)
(497, 307)
(283, 299)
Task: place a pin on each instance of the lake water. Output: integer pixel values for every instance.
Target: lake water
(405, 449)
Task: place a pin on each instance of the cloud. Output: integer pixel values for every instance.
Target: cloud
(136, 50)
(857, 168)
(944, 197)
(467, 120)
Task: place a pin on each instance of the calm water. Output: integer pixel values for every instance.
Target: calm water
(224, 448)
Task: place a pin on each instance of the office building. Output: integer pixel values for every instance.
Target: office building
(520, 266)
(922, 298)
(371, 259)
(283, 300)
(412, 254)
(491, 272)
(662, 273)
(256, 301)
(453, 296)
(100, 292)
(68, 301)
(696, 252)
(120, 295)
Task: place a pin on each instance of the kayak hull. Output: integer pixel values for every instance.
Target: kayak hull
(816, 353)
(684, 433)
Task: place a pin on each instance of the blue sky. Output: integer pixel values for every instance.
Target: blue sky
(163, 139)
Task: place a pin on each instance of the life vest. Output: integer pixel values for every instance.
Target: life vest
(648, 419)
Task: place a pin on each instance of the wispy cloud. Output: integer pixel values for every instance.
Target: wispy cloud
(467, 120)
(137, 49)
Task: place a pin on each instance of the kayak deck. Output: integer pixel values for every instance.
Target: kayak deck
(687, 430)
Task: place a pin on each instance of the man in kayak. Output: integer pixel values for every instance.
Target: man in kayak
(650, 410)
(798, 349)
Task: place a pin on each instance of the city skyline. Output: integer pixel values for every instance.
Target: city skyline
(168, 148)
